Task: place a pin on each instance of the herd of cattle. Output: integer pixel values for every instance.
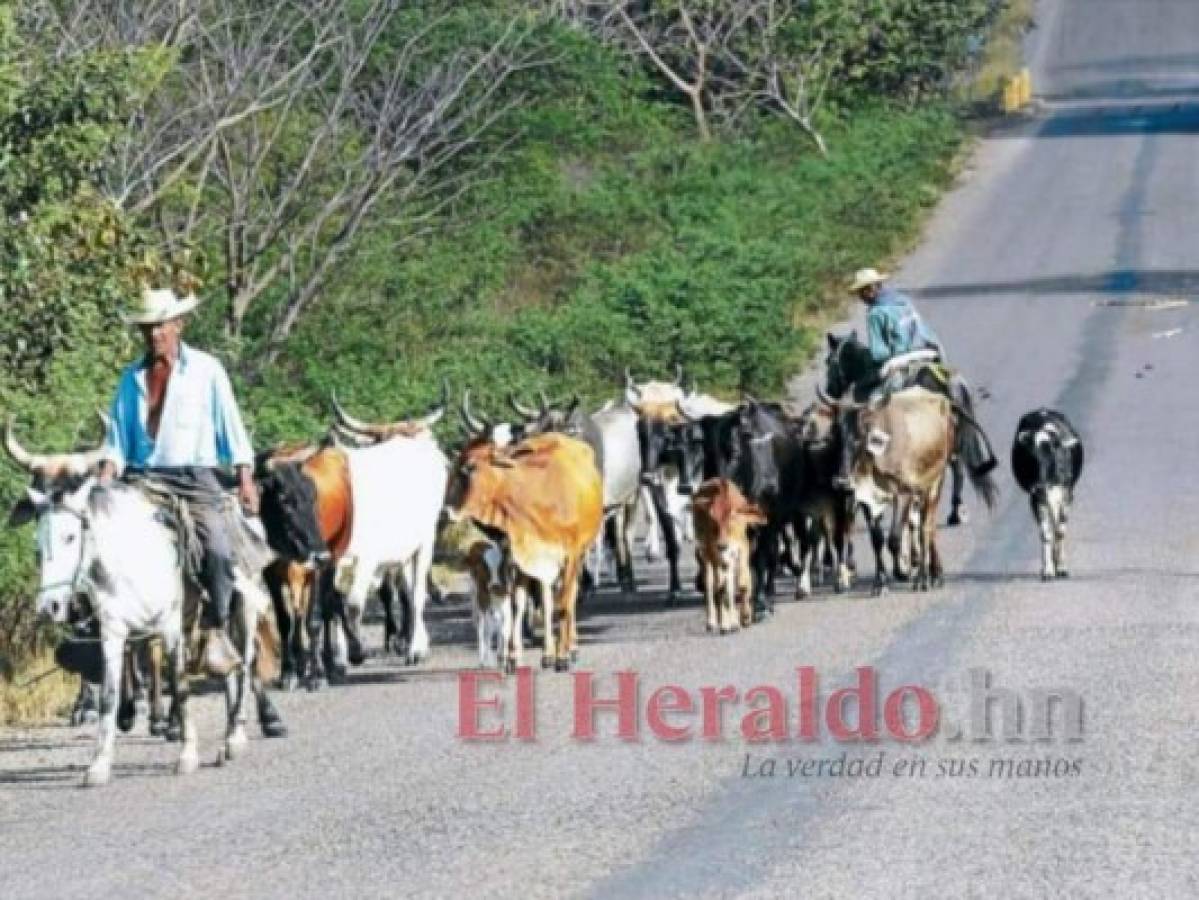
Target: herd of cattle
(542, 498)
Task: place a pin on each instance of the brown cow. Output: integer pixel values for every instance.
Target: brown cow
(894, 454)
(722, 518)
(542, 501)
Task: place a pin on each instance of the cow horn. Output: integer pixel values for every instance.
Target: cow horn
(545, 401)
(431, 418)
(683, 414)
(348, 421)
(474, 425)
(31, 462)
(678, 374)
(525, 412)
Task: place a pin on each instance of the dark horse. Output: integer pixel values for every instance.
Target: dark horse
(849, 368)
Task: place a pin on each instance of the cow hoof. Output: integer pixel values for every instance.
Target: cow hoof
(1047, 576)
(957, 517)
(174, 732)
(398, 646)
(510, 666)
(415, 659)
(547, 661)
(98, 775)
(1063, 573)
(126, 723)
(158, 728)
(801, 594)
(357, 656)
(763, 615)
(338, 675)
(562, 664)
(317, 683)
(878, 590)
(235, 746)
(712, 628)
(273, 728)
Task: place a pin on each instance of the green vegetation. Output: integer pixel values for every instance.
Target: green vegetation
(582, 226)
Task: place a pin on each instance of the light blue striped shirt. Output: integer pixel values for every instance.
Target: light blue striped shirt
(200, 423)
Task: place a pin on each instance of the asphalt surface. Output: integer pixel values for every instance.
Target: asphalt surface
(1048, 273)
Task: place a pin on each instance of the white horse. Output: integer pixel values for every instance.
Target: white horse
(111, 544)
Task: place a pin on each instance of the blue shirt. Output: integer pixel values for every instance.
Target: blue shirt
(895, 327)
(200, 423)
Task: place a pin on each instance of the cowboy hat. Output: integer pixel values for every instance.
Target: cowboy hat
(865, 278)
(159, 305)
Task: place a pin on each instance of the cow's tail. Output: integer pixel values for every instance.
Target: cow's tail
(974, 448)
(269, 650)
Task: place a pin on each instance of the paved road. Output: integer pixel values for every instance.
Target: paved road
(1041, 272)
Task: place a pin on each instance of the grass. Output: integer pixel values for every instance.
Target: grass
(44, 701)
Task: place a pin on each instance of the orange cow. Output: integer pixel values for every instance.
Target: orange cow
(542, 501)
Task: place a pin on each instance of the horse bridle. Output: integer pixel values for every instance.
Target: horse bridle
(80, 582)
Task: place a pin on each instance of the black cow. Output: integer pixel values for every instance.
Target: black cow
(758, 448)
(1047, 459)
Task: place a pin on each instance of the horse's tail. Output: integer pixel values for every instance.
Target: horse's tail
(974, 447)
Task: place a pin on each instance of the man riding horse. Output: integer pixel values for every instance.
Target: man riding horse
(175, 421)
(903, 351)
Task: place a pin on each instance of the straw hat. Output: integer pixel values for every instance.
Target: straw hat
(865, 278)
(161, 305)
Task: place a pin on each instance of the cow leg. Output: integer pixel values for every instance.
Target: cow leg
(899, 539)
(710, 585)
(86, 705)
(837, 524)
(1059, 500)
(877, 542)
(392, 639)
(158, 713)
(318, 620)
(1041, 511)
(622, 536)
(930, 558)
(744, 612)
(732, 571)
(653, 534)
(418, 648)
(806, 539)
(100, 770)
(519, 602)
(763, 558)
(670, 538)
(549, 655)
(568, 637)
(127, 708)
(287, 626)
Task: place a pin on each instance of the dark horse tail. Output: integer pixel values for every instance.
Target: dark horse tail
(974, 447)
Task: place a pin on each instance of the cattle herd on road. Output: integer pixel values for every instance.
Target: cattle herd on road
(542, 500)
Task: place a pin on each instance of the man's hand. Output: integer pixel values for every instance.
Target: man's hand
(247, 490)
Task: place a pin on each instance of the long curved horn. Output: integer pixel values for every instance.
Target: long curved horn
(545, 401)
(431, 419)
(846, 405)
(345, 419)
(628, 379)
(525, 412)
(678, 374)
(30, 462)
(474, 425)
(683, 414)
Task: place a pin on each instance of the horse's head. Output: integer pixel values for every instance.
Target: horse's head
(65, 551)
(58, 500)
(846, 364)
